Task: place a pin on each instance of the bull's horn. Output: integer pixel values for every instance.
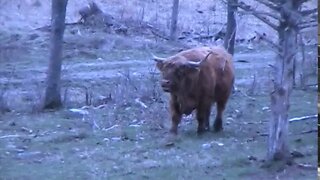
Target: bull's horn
(197, 64)
(154, 57)
(157, 59)
(194, 64)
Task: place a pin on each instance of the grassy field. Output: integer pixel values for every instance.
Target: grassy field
(124, 133)
(124, 140)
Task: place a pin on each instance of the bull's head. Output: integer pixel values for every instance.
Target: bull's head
(176, 72)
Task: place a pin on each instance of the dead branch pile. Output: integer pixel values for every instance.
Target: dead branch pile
(92, 15)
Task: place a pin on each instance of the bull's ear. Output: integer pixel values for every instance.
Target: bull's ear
(159, 61)
(159, 65)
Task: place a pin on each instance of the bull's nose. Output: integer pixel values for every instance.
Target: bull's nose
(165, 82)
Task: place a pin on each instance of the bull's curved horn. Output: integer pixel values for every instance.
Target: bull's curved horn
(194, 64)
(197, 64)
(157, 59)
(154, 57)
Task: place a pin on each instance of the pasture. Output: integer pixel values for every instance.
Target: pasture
(121, 131)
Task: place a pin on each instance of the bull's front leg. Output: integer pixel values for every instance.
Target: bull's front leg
(203, 117)
(175, 116)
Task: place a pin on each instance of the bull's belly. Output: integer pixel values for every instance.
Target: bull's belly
(187, 111)
(186, 104)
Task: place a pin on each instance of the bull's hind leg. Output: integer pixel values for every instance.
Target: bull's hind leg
(203, 117)
(218, 121)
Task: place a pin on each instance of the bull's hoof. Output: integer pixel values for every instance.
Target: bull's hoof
(218, 128)
(201, 131)
(170, 140)
(173, 131)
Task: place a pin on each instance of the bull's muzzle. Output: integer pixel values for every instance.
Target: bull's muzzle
(166, 85)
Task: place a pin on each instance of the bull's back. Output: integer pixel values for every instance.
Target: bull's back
(195, 54)
(222, 63)
(216, 75)
(217, 72)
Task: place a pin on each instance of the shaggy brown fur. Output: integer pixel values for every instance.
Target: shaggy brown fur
(197, 78)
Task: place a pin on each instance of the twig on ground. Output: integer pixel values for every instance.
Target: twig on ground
(94, 107)
(141, 103)
(11, 136)
(307, 166)
(80, 111)
(112, 127)
(303, 132)
(263, 134)
(246, 95)
(309, 131)
(95, 125)
(303, 118)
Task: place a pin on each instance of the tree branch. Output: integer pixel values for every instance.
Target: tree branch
(309, 12)
(159, 35)
(308, 21)
(294, 17)
(269, 5)
(276, 17)
(248, 8)
(308, 25)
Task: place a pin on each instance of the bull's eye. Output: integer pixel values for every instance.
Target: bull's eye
(179, 73)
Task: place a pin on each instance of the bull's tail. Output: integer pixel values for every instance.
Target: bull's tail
(207, 56)
(223, 65)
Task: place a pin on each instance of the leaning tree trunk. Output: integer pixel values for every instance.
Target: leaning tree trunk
(302, 74)
(52, 97)
(278, 130)
(174, 20)
(231, 26)
(229, 39)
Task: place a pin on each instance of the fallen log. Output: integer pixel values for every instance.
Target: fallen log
(48, 27)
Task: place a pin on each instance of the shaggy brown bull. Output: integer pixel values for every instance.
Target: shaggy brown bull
(197, 78)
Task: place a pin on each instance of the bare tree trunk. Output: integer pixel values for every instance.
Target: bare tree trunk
(278, 130)
(302, 74)
(290, 20)
(174, 20)
(52, 97)
(231, 27)
(294, 73)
